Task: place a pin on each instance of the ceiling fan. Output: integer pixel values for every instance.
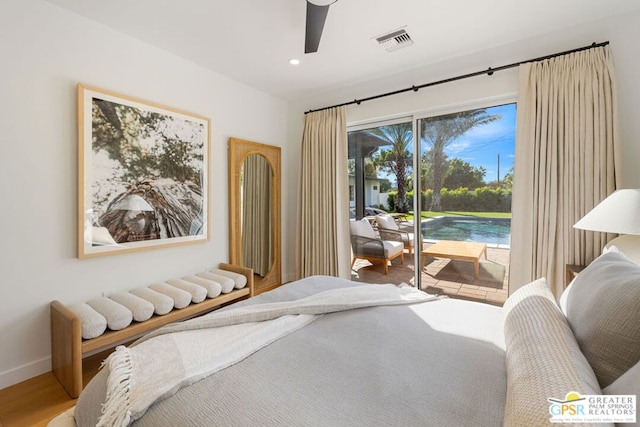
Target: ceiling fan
(316, 16)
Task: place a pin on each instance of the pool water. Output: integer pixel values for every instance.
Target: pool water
(496, 231)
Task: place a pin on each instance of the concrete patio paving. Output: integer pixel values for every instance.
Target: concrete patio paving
(446, 277)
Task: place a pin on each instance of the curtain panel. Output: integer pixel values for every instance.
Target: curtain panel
(256, 214)
(566, 163)
(323, 221)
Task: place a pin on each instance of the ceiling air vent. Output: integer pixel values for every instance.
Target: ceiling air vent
(395, 40)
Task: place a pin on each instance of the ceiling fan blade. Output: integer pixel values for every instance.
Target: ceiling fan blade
(316, 15)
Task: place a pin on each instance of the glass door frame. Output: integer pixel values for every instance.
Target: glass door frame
(417, 154)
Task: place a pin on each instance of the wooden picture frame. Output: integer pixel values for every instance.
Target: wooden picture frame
(143, 174)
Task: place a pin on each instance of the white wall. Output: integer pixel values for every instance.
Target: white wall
(44, 52)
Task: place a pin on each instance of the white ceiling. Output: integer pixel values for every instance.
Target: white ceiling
(252, 40)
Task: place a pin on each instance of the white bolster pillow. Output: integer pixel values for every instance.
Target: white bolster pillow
(198, 293)
(162, 304)
(213, 288)
(93, 324)
(180, 298)
(240, 280)
(140, 308)
(118, 316)
(226, 283)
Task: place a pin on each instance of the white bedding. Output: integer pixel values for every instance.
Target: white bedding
(447, 362)
(195, 349)
(372, 366)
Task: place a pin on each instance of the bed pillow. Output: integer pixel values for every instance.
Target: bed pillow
(562, 301)
(542, 356)
(603, 310)
(627, 383)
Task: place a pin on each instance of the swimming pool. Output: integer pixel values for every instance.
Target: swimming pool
(493, 231)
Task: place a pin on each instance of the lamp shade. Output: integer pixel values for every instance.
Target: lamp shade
(619, 213)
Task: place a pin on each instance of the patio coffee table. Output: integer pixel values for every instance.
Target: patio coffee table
(464, 251)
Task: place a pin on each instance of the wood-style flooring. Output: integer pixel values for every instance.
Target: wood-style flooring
(38, 400)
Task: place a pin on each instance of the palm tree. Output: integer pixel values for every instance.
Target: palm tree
(397, 159)
(438, 132)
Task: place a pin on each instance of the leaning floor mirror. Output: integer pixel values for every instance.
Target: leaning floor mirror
(254, 211)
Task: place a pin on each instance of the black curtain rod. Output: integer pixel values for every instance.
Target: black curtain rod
(488, 71)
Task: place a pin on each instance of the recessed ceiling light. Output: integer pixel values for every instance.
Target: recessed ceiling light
(294, 61)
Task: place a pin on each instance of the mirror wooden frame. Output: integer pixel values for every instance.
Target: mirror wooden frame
(239, 151)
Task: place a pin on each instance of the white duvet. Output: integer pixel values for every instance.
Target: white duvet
(183, 353)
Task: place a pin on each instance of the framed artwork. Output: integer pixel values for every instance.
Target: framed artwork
(143, 177)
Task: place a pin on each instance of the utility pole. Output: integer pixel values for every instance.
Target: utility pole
(498, 169)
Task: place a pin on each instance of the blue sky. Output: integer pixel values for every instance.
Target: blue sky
(481, 146)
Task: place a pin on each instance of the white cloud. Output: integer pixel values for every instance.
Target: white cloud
(457, 147)
(496, 128)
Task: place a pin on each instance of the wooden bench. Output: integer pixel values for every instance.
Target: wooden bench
(68, 348)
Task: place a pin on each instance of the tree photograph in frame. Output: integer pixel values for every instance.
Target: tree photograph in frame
(143, 174)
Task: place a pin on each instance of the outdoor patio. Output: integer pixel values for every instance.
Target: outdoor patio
(446, 277)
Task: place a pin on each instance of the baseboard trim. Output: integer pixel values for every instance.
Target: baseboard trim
(24, 372)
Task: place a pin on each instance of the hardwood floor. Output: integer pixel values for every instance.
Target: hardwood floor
(38, 400)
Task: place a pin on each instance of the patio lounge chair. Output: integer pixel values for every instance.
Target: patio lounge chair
(366, 244)
(389, 230)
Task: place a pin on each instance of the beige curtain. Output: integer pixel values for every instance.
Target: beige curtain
(323, 221)
(566, 163)
(256, 214)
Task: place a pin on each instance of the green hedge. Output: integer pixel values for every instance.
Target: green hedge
(483, 199)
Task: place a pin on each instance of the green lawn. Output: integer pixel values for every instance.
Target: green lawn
(431, 214)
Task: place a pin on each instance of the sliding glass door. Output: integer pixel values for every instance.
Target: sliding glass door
(449, 177)
(380, 168)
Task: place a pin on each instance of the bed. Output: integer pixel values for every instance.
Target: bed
(435, 361)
